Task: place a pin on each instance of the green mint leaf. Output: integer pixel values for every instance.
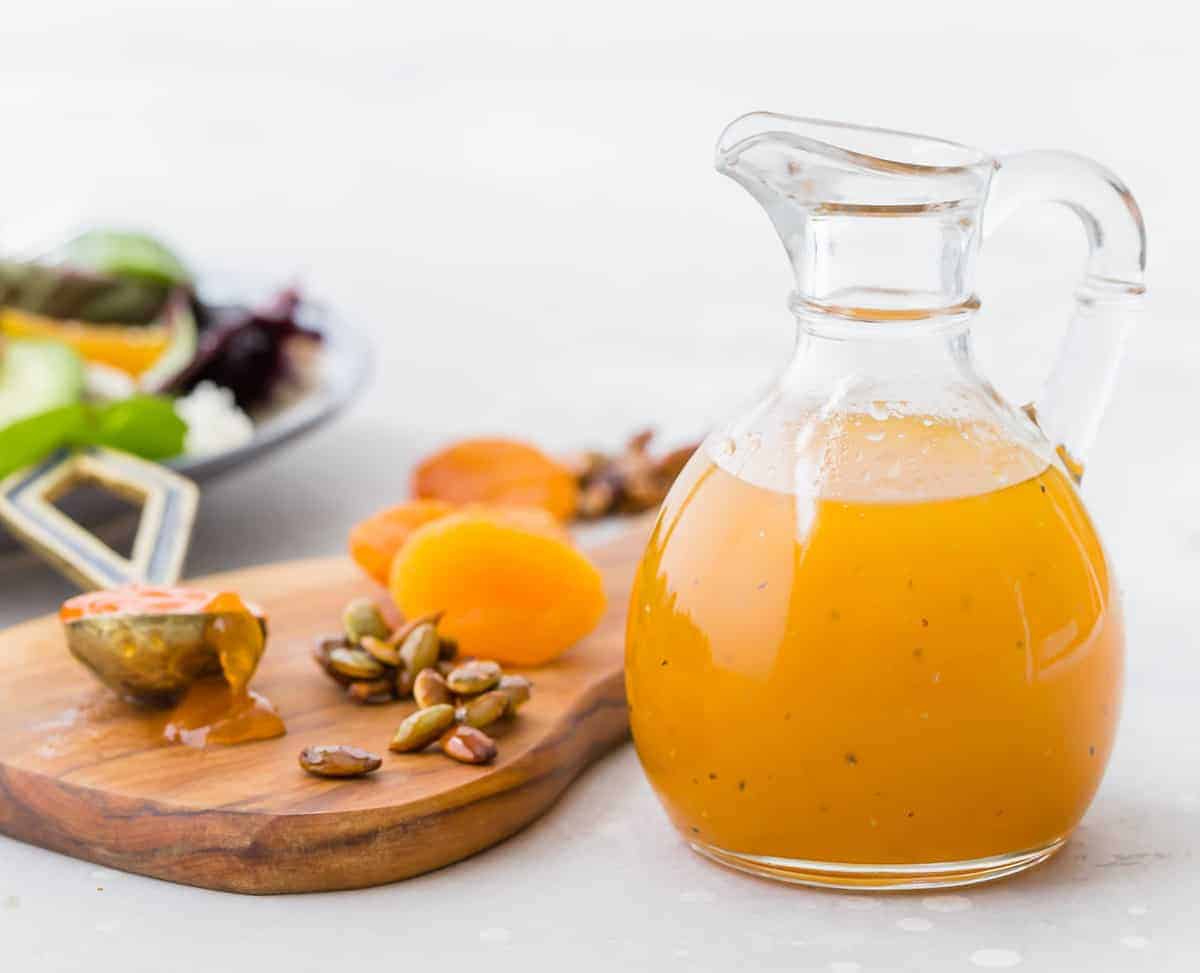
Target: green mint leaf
(29, 440)
(145, 425)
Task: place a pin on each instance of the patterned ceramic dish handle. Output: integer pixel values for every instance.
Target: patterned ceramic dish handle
(168, 510)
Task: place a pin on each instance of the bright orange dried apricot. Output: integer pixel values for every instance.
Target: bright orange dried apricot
(518, 595)
(501, 472)
(533, 519)
(375, 541)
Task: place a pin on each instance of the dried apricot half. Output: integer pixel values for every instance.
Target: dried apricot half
(375, 541)
(518, 595)
(502, 472)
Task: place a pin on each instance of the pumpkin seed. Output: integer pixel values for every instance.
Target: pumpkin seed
(422, 728)
(371, 691)
(404, 683)
(430, 689)
(445, 666)
(362, 617)
(473, 678)
(468, 745)
(381, 651)
(321, 654)
(339, 761)
(517, 689)
(419, 650)
(483, 710)
(355, 663)
(405, 630)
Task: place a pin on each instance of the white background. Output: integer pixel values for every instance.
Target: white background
(518, 202)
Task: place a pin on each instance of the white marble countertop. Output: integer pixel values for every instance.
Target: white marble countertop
(519, 205)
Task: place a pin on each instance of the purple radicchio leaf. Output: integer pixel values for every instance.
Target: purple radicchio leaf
(242, 349)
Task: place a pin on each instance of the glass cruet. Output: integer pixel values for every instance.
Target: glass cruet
(874, 641)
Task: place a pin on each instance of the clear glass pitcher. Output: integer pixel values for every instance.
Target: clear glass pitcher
(875, 641)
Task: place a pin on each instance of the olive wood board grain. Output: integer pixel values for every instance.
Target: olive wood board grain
(82, 773)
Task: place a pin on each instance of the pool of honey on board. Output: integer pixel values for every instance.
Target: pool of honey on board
(896, 668)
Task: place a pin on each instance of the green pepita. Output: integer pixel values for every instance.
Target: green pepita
(382, 651)
(468, 745)
(362, 617)
(419, 650)
(404, 683)
(339, 761)
(483, 710)
(473, 678)
(517, 689)
(430, 689)
(322, 653)
(422, 728)
(355, 663)
(371, 691)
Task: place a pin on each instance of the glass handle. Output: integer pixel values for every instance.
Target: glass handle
(1107, 300)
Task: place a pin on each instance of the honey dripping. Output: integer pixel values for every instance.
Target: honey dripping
(224, 711)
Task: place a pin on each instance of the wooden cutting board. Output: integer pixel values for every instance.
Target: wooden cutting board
(84, 774)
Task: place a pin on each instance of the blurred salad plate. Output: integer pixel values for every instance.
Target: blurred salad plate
(110, 351)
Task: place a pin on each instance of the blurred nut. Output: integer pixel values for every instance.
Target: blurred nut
(596, 500)
(371, 691)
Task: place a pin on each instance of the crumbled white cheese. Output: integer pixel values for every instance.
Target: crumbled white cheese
(215, 423)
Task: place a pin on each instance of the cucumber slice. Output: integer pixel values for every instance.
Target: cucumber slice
(36, 376)
(182, 349)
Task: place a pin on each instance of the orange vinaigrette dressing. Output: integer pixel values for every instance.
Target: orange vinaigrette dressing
(877, 681)
(216, 710)
(225, 711)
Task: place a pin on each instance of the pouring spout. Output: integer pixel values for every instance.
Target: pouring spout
(901, 211)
